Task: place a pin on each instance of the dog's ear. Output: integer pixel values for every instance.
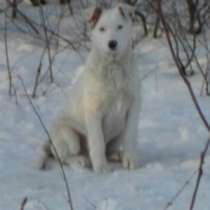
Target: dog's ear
(126, 11)
(93, 15)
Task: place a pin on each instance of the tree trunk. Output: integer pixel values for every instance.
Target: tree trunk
(194, 17)
(14, 8)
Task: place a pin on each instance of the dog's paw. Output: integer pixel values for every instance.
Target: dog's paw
(115, 156)
(102, 168)
(128, 162)
(83, 161)
(80, 161)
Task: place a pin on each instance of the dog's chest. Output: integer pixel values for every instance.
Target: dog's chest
(106, 88)
(115, 117)
(114, 77)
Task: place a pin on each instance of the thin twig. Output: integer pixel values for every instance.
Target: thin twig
(47, 42)
(51, 142)
(36, 83)
(200, 174)
(7, 56)
(23, 203)
(179, 192)
(27, 20)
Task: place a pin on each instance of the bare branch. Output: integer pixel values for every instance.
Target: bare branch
(70, 202)
(180, 66)
(179, 192)
(36, 83)
(200, 174)
(7, 56)
(23, 203)
(47, 41)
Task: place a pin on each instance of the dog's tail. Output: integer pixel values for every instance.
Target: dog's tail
(42, 155)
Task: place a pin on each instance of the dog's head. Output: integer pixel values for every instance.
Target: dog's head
(112, 30)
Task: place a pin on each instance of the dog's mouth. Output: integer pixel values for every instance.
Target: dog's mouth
(114, 55)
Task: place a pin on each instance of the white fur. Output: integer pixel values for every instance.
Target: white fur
(104, 103)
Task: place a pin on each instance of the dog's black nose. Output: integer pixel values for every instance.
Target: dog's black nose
(113, 44)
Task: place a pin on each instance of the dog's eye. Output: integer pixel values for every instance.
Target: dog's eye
(102, 29)
(120, 27)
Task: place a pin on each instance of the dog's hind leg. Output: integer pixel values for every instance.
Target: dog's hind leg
(67, 145)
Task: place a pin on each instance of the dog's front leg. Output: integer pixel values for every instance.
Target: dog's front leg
(130, 137)
(96, 143)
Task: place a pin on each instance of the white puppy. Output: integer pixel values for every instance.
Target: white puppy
(104, 103)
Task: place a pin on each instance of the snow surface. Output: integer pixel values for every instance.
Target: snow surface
(171, 136)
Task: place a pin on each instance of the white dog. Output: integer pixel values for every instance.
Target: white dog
(104, 103)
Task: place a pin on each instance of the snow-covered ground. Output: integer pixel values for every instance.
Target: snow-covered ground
(171, 136)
